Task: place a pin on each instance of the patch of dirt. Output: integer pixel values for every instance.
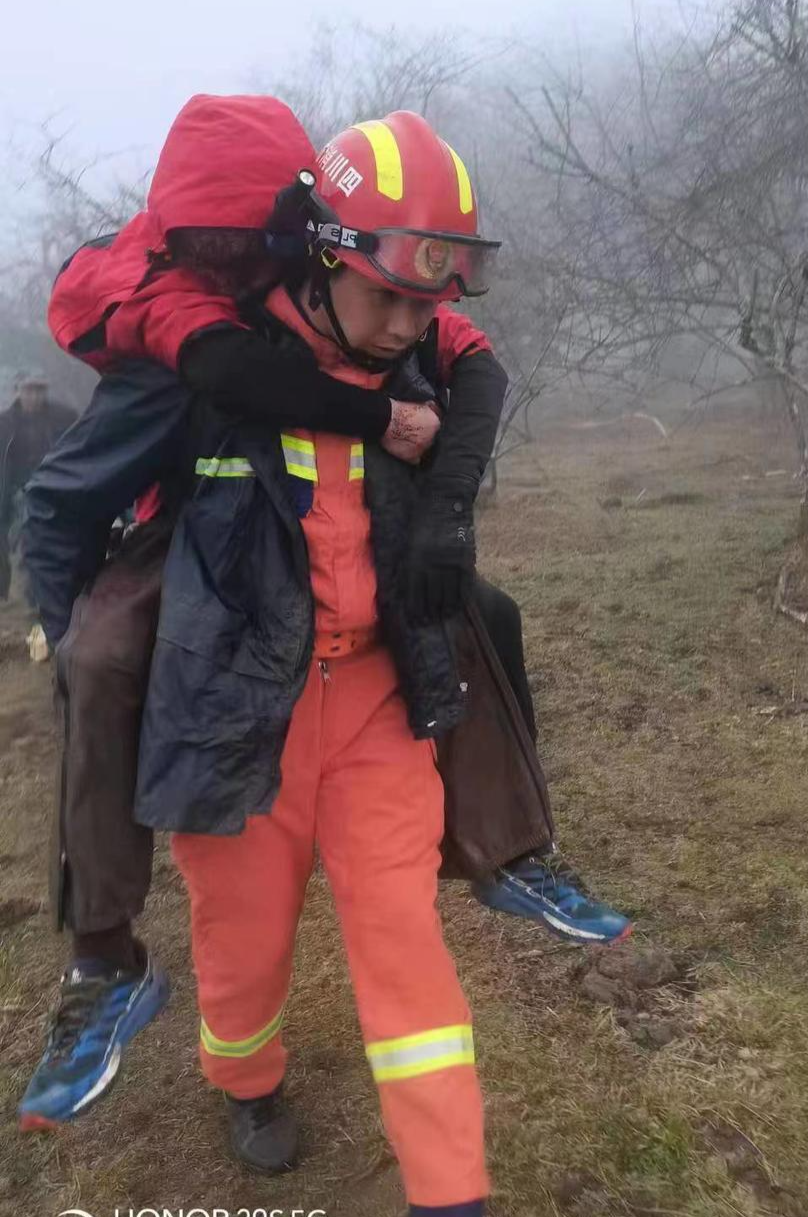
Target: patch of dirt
(574, 1186)
(745, 1164)
(673, 499)
(583, 1194)
(664, 567)
(793, 591)
(620, 973)
(630, 978)
(16, 727)
(12, 645)
(631, 715)
(19, 909)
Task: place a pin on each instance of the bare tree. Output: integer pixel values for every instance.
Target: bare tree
(679, 206)
(66, 213)
(360, 72)
(366, 73)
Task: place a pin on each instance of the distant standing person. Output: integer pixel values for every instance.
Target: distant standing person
(28, 429)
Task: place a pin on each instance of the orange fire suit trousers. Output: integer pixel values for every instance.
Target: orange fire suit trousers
(358, 785)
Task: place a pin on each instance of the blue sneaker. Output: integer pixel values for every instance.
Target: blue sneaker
(542, 887)
(98, 1014)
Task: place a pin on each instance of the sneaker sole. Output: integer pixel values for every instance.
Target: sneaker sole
(266, 1171)
(556, 927)
(31, 1121)
(579, 938)
(255, 1169)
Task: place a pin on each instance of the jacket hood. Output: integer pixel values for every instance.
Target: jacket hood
(224, 161)
(222, 165)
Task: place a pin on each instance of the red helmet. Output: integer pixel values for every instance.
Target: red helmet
(403, 209)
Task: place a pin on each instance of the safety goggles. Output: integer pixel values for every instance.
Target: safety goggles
(419, 260)
(431, 262)
(414, 259)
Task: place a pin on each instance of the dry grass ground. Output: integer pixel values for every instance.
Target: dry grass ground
(665, 688)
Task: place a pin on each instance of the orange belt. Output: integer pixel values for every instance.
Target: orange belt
(344, 642)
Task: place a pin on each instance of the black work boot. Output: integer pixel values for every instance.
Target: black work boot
(263, 1132)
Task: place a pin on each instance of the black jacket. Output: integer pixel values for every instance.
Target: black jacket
(236, 628)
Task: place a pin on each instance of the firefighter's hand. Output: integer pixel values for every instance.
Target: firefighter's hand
(412, 430)
(441, 562)
(38, 648)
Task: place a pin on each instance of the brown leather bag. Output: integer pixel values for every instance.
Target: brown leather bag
(497, 805)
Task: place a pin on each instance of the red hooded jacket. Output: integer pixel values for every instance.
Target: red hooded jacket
(222, 165)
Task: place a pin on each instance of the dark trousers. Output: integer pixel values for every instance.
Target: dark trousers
(102, 859)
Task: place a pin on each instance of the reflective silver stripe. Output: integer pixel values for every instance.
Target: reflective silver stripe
(241, 1048)
(300, 457)
(356, 466)
(414, 1055)
(224, 467)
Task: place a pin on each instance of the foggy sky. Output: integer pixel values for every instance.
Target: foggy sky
(113, 75)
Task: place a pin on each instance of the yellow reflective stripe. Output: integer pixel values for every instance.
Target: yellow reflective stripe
(356, 466)
(297, 445)
(463, 184)
(300, 456)
(217, 1047)
(421, 1037)
(415, 1055)
(224, 467)
(301, 471)
(389, 172)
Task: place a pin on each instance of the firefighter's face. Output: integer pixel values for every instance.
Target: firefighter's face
(376, 319)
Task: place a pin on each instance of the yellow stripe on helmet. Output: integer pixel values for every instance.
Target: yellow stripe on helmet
(389, 171)
(463, 183)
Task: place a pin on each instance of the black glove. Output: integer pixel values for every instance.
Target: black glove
(441, 560)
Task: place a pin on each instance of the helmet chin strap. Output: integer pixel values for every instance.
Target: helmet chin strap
(320, 294)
